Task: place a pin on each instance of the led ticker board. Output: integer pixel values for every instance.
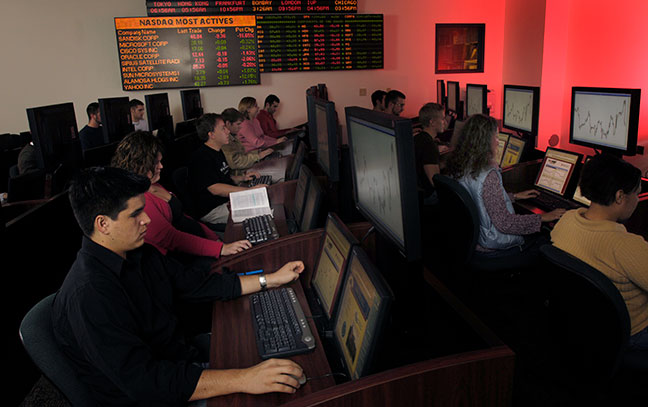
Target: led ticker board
(320, 42)
(215, 7)
(184, 52)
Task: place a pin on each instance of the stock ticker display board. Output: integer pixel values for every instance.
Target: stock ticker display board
(320, 42)
(256, 7)
(184, 52)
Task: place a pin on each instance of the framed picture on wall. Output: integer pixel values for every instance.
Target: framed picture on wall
(459, 48)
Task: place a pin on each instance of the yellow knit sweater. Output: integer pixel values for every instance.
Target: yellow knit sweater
(609, 248)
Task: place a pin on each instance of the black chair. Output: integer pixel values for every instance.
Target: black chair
(25, 187)
(588, 323)
(37, 335)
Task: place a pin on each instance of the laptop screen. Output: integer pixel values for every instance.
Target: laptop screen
(513, 151)
(502, 139)
(557, 169)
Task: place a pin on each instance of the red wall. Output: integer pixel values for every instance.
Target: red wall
(592, 43)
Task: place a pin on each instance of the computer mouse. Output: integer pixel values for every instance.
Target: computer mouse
(301, 380)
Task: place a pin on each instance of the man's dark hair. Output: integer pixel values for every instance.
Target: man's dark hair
(604, 174)
(103, 191)
(378, 97)
(232, 115)
(270, 100)
(134, 103)
(93, 108)
(206, 123)
(392, 96)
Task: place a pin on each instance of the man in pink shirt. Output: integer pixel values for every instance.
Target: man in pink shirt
(251, 134)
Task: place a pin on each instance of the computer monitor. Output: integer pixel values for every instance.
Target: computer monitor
(557, 171)
(312, 127)
(55, 135)
(521, 108)
(158, 115)
(331, 265)
(115, 118)
(513, 151)
(185, 128)
(293, 171)
(441, 94)
(191, 104)
(297, 210)
(502, 141)
(327, 139)
(384, 176)
(476, 99)
(578, 196)
(311, 215)
(363, 309)
(605, 119)
(453, 97)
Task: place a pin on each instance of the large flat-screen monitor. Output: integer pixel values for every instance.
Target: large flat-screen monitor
(384, 176)
(55, 135)
(311, 214)
(476, 99)
(605, 119)
(297, 209)
(191, 104)
(453, 97)
(441, 93)
(521, 108)
(292, 172)
(115, 118)
(312, 129)
(331, 265)
(327, 139)
(502, 141)
(364, 306)
(158, 114)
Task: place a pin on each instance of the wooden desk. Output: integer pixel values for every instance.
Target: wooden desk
(480, 376)
(275, 167)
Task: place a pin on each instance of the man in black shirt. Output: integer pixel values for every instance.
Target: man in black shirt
(394, 102)
(91, 135)
(426, 149)
(210, 180)
(114, 314)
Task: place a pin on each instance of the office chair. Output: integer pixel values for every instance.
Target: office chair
(28, 186)
(589, 325)
(37, 336)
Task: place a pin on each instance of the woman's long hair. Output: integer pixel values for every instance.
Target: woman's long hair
(473, 151)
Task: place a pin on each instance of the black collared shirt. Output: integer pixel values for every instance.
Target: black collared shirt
(115, 319)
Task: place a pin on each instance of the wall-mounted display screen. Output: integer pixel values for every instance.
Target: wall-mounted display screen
(214, 7)
(184, 52)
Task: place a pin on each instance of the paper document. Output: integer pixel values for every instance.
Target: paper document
(249, 203)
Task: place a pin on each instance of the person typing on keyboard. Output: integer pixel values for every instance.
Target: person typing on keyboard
(501, 231)
(114, 315)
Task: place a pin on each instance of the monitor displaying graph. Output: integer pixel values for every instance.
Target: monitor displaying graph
(605, 118)
(521, 106)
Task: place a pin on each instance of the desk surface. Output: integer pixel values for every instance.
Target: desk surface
(238, 349)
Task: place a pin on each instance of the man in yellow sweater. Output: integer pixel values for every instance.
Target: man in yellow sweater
(595, 235)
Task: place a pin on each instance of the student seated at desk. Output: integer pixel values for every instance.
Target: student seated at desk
(251, 134)
(91, 135)
(170, 230)
(210, 182)
(426, 148)
(114, 314)
(267, 120)
(596, 236)
(501, 230)
(237, 158)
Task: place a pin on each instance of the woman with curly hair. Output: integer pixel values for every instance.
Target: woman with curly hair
(170, 230)
(251, 134)
(472, 163)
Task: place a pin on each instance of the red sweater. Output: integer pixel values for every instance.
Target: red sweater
(269, 124)
(252, 137)
(165, 237)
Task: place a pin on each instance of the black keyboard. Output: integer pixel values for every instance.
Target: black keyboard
(279, 324)
(260, 229)
(550, 202)
(264, 179)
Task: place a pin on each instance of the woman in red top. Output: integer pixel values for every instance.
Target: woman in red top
(170, 230)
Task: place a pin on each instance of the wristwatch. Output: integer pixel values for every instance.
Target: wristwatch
(263, 282)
